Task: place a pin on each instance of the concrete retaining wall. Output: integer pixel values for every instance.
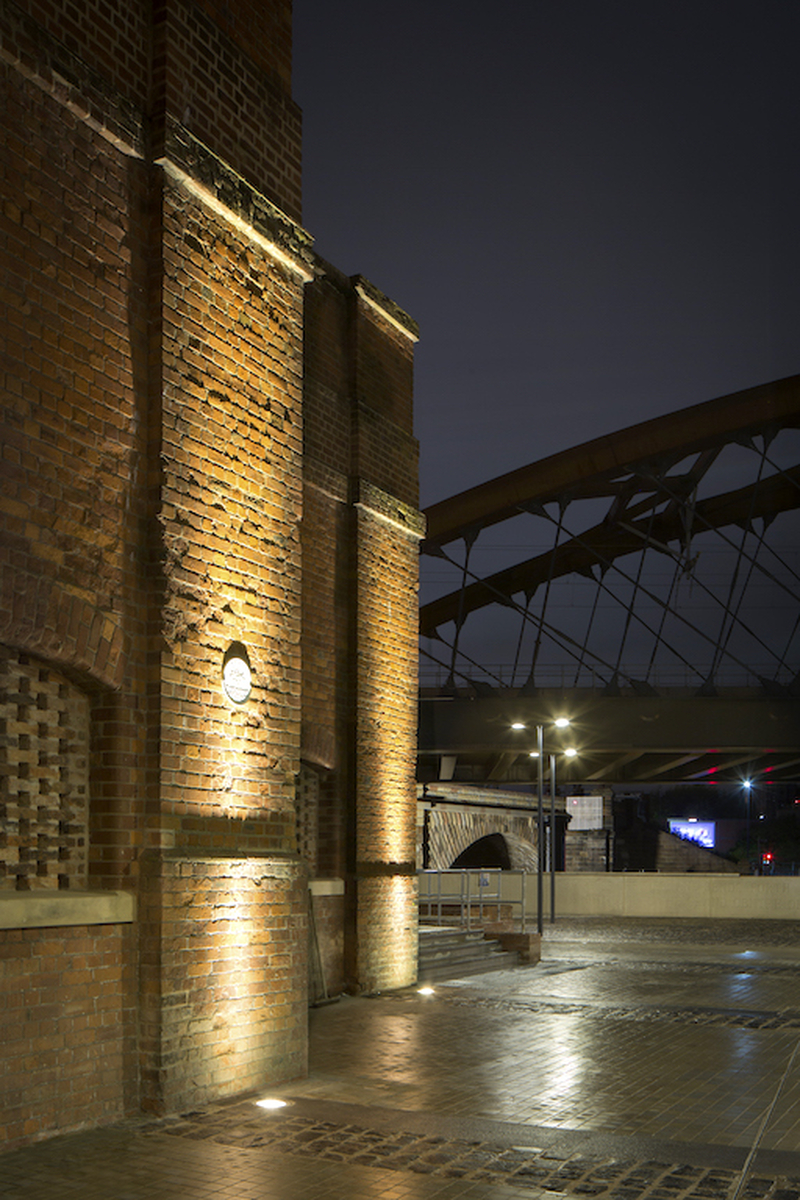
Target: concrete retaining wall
(669, 895)
(655, 895)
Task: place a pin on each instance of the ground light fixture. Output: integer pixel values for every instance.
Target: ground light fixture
(271, 1103)
(425, 991)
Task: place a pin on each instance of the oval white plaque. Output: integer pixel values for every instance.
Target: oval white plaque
(236, 680)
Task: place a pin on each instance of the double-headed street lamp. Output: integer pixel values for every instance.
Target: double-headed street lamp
(559, 723)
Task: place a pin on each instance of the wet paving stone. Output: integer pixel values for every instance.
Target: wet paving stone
(575, 1175)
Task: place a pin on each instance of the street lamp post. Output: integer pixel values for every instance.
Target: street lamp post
(560, 723)
(747, 785)
(552, 839)
(540, 826)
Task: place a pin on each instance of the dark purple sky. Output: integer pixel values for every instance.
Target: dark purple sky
(590, 206)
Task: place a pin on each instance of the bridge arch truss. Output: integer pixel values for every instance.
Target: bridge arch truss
(659, 559)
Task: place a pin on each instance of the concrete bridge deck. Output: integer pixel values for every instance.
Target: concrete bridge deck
(652, 1059)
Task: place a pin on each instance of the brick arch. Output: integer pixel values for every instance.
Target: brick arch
(66, 630)
(451, 832)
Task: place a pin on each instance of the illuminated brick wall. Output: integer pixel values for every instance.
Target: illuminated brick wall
(206, 440)
(221, 72)
(230, 1014)
(360, 616)
(231, 499)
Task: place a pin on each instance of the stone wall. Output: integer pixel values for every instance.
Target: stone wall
(588, 850)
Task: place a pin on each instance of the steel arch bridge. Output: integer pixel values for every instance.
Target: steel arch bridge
(647, 581)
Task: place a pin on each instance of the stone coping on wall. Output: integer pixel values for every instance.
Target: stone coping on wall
(48, 909)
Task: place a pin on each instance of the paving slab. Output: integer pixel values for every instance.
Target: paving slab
(639, 1059)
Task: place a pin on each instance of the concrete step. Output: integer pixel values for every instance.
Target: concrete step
(451, 954)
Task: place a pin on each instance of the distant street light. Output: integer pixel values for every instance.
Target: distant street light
(747, 784)
(559, 723)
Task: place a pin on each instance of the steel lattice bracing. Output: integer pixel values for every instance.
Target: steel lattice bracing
(664, 556)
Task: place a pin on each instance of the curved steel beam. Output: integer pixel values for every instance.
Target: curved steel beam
(607, 541)
(597, 467)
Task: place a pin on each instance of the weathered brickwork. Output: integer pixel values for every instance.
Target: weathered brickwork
(206, 452)
(209, 83)
(223, 74)
(68, 1014)
(75, 433)
(385, 810)
(44, 776)
(227, 941)
(231, 502)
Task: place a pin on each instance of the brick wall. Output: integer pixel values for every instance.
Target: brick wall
(451, 831)
(360, 615)
(680, 854)
(384, 883)
(221, 72)
(230, 511)
(68, 1013)
(587, 850)
(44, 776)
(180, 376)
(225, 960)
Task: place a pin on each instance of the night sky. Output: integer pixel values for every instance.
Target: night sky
(590, 206)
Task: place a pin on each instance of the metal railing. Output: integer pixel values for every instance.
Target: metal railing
(462, 895)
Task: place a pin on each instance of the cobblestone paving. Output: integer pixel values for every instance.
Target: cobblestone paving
(522, 1167)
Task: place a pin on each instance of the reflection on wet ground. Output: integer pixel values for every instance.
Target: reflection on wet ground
(639, 1059)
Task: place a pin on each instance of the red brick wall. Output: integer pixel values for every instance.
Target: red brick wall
(222, 72)
(75, 430)
(225, 959)
(230, 512)
(386, 713)
(360, 615)
(68, 1015)
(153, 322)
